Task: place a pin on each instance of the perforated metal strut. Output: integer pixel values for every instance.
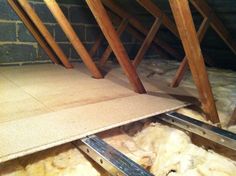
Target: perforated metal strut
(110, 159)
(118, 164)
(210, 132)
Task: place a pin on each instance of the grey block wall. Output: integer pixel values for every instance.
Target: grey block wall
(17, 45)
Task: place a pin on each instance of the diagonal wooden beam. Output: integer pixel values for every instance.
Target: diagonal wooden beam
(168, 23)
(108, 50)
(188, 35)
(131, 31)
(113, 39)
(140, 37)
(151, 7)
(96, 45)
(140, 27)
(147, 42)
(216, 24)
(73, 38)
(43, 30)
(136, 34)
(184, 64)
(232, 120)
(33, 30)
(179, 75)
(209, 18)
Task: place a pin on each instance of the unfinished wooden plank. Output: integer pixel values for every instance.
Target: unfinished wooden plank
(32, 29)
(64, 126)
(184, 64)
(108, 50)
(185, 25)
(45, 33)
(216, 23)
(73, 38)
(147, 42)
(109, 32)
(140, 27)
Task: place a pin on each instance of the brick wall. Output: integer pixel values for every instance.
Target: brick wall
(17, 46)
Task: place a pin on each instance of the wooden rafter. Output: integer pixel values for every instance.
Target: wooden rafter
(150, 35)
(122, 26)
(32, 29)
(140, 27)
(152, 8)
(215, 22)
(140, 37)
(184, 64)
(210, 19)
(232, 120)
(96, 45)
(45, 33)
(132, 31)
(148, 41)
(108, 50)
(73, 38)
(168, 23)
(157, 12)
(114, 41)
(145, 45)
(189, 38)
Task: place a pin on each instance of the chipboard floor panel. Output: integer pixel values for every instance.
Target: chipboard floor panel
(46, 105)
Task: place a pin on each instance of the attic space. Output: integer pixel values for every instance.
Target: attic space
(110, 87)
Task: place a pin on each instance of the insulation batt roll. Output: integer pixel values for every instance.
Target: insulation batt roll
(163, 150)
(223, 82)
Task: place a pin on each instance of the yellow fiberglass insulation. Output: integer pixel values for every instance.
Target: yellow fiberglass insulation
(163, 150)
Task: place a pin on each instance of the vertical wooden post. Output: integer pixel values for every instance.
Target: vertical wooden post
(32, 29)
(147, 42)
(184, 64)
(43, 30)
(108, 50)
(188, 35)
(111, 35)
(73, 38)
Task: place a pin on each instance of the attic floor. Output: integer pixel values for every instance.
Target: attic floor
(46, 105)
